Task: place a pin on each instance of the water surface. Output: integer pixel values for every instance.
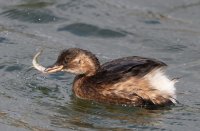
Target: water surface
(168, 30)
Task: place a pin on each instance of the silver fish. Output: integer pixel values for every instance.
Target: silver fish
(35, 63)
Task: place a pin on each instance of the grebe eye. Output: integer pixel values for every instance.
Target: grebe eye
(65, 62)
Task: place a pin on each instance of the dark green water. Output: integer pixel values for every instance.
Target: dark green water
(168, 30)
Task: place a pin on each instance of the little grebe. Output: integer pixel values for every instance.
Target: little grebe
(131, 80)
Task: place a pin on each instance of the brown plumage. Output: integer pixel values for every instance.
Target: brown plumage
(131, 80)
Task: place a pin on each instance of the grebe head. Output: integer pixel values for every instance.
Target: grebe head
(76, 61)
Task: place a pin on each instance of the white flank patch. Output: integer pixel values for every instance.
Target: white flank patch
(161, 82)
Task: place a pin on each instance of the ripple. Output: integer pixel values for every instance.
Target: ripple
(164, 45)
(44, 90)
(88, 30)
(14, 68)
(175, 48)
(152, 22)
(31, 15)
(5, 41)
(2, 66)
(34, 4)
(2, 39)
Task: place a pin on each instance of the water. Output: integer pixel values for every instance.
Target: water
(164, 29)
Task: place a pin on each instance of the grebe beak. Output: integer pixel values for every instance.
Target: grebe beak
(53, 68)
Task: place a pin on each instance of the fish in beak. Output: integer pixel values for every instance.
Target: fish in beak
(35, 63)
(50, 69)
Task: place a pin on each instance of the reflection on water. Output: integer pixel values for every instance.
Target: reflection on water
(79, 113)
(111, 29)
